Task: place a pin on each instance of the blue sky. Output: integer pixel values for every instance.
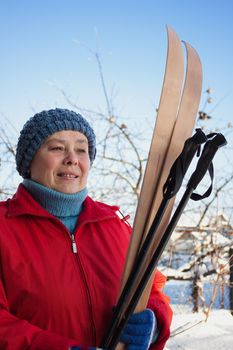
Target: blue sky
(39, 49)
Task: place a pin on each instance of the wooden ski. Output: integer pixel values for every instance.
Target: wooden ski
(182, 130)
(160, 160)
(165, 121)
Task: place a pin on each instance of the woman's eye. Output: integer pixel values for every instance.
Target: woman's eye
(56, 148)
(81, 150)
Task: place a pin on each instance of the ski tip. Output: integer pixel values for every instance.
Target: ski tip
(174, 48)
(193, 58)
(170, 28)
(172, 33)
(191, 49)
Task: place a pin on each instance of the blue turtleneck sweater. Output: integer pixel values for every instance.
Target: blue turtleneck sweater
(66, 207)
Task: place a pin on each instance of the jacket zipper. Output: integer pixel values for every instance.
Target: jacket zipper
(75, 251)
(74, 245)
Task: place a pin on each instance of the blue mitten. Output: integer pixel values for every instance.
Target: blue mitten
(140, 330)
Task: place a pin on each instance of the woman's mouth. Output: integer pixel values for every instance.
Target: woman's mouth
(67, 175)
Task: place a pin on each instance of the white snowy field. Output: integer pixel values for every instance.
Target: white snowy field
(190, 331)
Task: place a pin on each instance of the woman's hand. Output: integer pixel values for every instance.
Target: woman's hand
(140, 330)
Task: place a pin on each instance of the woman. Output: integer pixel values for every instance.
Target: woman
(61, 253)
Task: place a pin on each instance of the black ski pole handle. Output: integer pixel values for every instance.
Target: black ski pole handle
(208, 153)
(205, 159)
(181, 164)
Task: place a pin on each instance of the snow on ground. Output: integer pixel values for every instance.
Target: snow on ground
(189, 330)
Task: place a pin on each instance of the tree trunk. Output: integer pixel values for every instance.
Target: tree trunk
(195, 291)
(231, 279)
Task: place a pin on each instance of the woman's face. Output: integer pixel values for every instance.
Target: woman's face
(62, 162)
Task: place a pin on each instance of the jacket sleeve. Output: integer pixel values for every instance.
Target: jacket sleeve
(17, 334)
(159, 303)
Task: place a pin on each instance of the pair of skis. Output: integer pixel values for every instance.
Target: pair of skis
(174, 124)
(175, 120)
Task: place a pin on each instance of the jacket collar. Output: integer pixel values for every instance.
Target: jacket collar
(23, 203)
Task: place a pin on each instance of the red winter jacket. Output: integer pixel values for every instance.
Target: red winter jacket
(52, 298)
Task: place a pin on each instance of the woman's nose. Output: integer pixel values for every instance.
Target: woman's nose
(71, 159)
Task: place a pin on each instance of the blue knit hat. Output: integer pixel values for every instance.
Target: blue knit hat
(38, 128)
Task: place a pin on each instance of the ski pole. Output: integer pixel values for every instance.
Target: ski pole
(204, 164)
(170, 189)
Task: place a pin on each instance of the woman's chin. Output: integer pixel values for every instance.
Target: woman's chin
(68, 188)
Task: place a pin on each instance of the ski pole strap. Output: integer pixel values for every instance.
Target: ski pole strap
(196, 196)
(181, 164)
(205, 164)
